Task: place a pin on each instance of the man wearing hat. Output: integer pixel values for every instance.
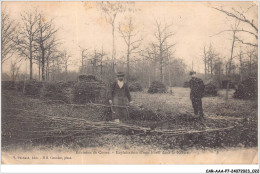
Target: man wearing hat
(120, 96)
(196, 93)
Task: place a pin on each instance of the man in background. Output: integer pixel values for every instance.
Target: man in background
(197, 90)
(120, 96)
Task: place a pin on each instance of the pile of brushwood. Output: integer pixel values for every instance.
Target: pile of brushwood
(135, 86)
(88, 89)
(247, 89)
(157, 87)
(58, 91)
(210, 90)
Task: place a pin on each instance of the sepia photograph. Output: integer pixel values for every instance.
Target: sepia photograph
(129, 82)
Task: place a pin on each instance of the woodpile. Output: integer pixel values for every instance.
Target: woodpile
(88, 89)
(58, 91)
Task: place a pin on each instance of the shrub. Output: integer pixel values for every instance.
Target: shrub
(157, 87)
(135, 86)
(8, 85)
(88, 90)
(224, 83)
(58, 91)
(247, 89)
(210, 90)
(30, 87)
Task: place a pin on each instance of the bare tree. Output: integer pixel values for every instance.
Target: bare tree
(56, 61)
(83, 58)
(205, 60)
(8, 34)
(128, 34)
(101, 54)
(26, 45)
(111, 11)
(211, 58)
(51, 53)
(241, 16)
(15, 69)
(240, 65)
(230, 61)
(162, 35)
(45, 39)
(66, 61)
(150, 56)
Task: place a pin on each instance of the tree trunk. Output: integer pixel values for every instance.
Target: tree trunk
(161, 64)
(39, 69)
(230, 64)
(211, 68)
(47, 68)
(161, 72)
(250, 63)
(101, 64)
(31, 57)
(205, 63)
(128, 62)
(170, 80)
(53, 69)
(240, 67)
(43, 65)
(82, 62)
(66, 71)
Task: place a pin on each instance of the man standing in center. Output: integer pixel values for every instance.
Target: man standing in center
(196, 93)
(120, 96)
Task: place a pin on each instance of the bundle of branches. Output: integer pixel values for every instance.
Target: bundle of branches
(142, 114)
(88, 89)
(247, 89)
(8, 85)
(157, 87)
(58, 91)
(186, 84)
(210, 90)
(135, 86)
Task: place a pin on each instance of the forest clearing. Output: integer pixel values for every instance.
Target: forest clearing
(146, 78)
(31, 122)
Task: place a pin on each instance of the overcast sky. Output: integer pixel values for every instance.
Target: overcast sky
(195, 23)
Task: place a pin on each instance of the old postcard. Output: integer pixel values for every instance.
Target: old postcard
(129, 82)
